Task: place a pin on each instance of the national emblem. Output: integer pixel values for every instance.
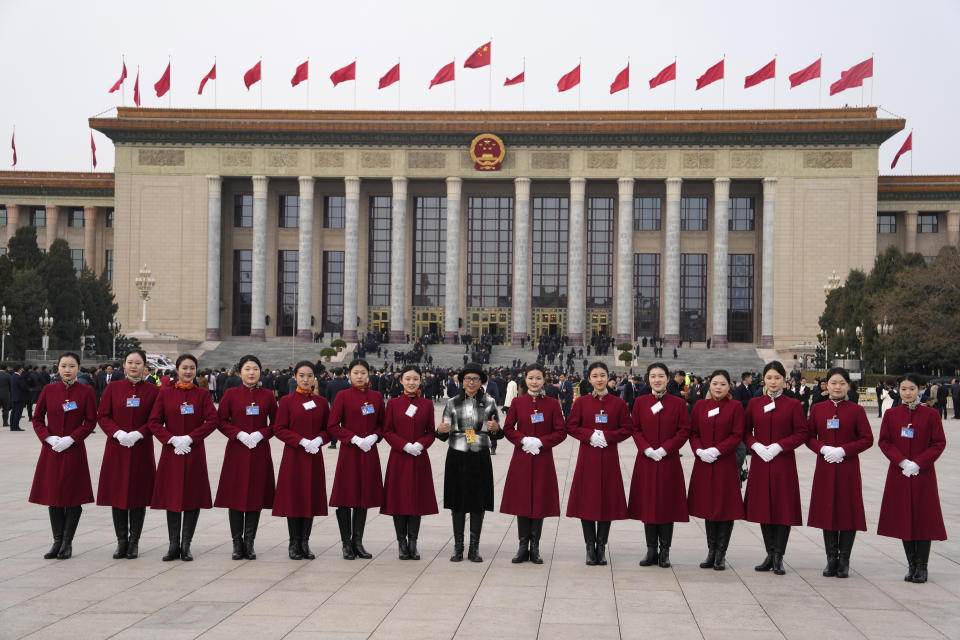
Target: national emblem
(487, 152)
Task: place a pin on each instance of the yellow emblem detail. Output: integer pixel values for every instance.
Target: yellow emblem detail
(487, 152)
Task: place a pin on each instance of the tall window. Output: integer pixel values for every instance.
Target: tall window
(75, 217)
(927, 223)
(108, 218)
(334, 212)
(646, 214)
(287, 276)
(243, 210)
(693, 296)
(741, 214)
(550, 236)
(886, 223)
(430, 251)
(76, 255)
(289, 217)
(333, 291)
(740, 298)
(489, 252)
(599, 252)
(693, 213)
(646, 292)
(38, 217)
(242, 291)
(3, 216)
(108, 261)
(378, 271)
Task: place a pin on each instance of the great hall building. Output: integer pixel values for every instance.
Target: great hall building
(686, 225)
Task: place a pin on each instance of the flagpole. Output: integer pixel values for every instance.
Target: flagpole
(308, 83)
(454, 83)
(774, 81)
(170, 88)
(579, 84)
(123, 88)
(674, 83)
(13, 144)
(628, 83)
(261, 82)
(214, 84)
(490, 78)
(723, 85)
(354, 83)
(523, 93)
(873, 78)
(911, 152)
(820, 84)
(398, 84)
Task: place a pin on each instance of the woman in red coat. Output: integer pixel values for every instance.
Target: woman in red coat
(599, 421)
(65, 415)
(658, 497)
(775, 427)
(356, 420)
(247, 414)
(182, 417)
(716, 428)
(535, 426)
(302, 484)
(911, 436)
(838, 430)
(408, 488)
(129, 466)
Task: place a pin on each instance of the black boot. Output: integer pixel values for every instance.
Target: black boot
(459, 522)
(711, 558)
(306, 527)
(58, 516)
(781, 534)
(910, 548)
(251, 520)
(523, 533)
(174, 520)
(767, 531)
(121, 528)
(136, 528)
(476, 526)
(413, 532)
(69, 529)
(189, 526)
(293, 530)
(400, 527)
(236, 533)
(831, 545)
(846, 546)
(650, 533)
(590, 539)
(536, 528)
(923, 556)
(346, 537)
(603, 534)
(359, 522)
(665, 534)
(724, 530)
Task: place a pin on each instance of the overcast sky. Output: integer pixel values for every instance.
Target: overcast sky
(60, 58)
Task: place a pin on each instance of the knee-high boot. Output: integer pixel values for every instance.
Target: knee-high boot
(652, 558)
(189, 526)
(413, 532)
(137, 517)
(665, 534)
(711, 528)
(459, 522)
(523, 533)
(251, 520)
(400, 527)
(846, 546)
(359, 522)
(476, 526)
(236, 533)
(767, 530)
(603, 534)
(58, 516)
(724, 530)
(122, 529)
(910, 548)
(69, 529)
(781, 534)
(306, 527)
(293, 531)
(536, 528)
(346, 536)
(831, 545)
(174, 520)
(590, 539)
(923, 556)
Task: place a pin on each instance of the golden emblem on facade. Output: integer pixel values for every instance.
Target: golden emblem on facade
(487, 152)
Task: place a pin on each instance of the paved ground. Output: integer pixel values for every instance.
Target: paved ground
(94, 596)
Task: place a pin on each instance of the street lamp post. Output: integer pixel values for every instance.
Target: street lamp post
(824, 338)
(114, 327)
(860, 336)
(144, 284)
(84, 323)
(5, 321)
(884, 329)
(841, 332)
(46, 325)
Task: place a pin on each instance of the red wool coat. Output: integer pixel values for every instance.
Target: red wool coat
(658, 491)
(127, 474)
(773, 491)
(715, 487)
(302, 483)
(246, 478)
(836, 501)
(911, 506)
(182, 483)
(596, 492)
(408, 487)
(531, 486)
(357, 481)
(63, 479)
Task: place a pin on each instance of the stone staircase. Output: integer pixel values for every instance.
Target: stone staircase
(275, 353)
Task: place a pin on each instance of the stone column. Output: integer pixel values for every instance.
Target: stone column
(953, 228)
(351, 229)
(53, 221)
(13, 219)
(305, 260)
(521, 260)
(576, 264)
(398, 261)
(90, 237)
(451, 300)
(910, 231)
(258, 297)
(721, 251)
(671, 266)
(214, 222)
(624, 328)
(766, 296)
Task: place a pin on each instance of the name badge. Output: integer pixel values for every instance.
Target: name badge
(770, 407)
(411, 411)
(309, 405)
(133, 402)
(367, 409)
(600, 418)
(471, 436)
(70, 405)
(253, 410)
(186, 409)
(906, 432)
(536, 417)
(833, 423)
(657, 408)
(713, 412)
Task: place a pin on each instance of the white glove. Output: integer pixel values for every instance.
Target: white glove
(120, 436)
(244, 437)
(418, 446)
(762, 452)
(317, 442)
(832, 455)
(371, 440)
(662, 453)
(537, 443)
(598, 439)
(356, 440)
(253, 439)
(650, 453)
(362, 443)
(525, 442)
(52, 440)
(63, 444)
(308, 446)
(774, 450)
(411, 449)
(910, 468)
(706, 455)
(714, 452)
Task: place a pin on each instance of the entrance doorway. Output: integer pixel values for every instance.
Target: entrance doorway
(549, 322)
(428, 321)
(379, 319)
(600, 323)
(494, 322)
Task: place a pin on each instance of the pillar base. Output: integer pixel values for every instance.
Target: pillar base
(349, 335)
(304, 335)
(766, 342)
(518, 337)
(719, 342)
(397, 337)
(671, 340)
(575, 339)
(258, 335)
(212, 334)
(624, 337)
(450, 337)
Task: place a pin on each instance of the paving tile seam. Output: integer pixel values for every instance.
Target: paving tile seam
(562, 488)
(486, 570)
(733, 569)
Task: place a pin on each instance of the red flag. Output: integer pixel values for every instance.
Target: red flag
(853, 77)
(13, 145)
(804, 75)
(907, 146)
(136, 89)
(766, 72)
(569, 80)
(348, 72)
(123, 76)
(669, 73)
(622, 81)
(711, 75)
(514, 80)
(93, 149)
(252, 76)
(212, 75)
(301, 74)
(163, 84)
(479, 58)
(444, 75)
(390, 76)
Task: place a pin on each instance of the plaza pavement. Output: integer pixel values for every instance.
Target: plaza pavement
(94, 596)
